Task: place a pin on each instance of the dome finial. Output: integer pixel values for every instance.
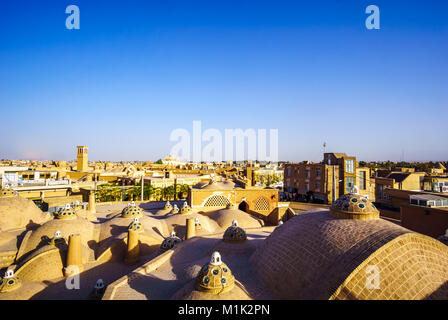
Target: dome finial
(216, 259)
(354, 190)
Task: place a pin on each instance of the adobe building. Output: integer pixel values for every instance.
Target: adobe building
(326, 181)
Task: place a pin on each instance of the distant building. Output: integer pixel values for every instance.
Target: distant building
(326, 181)
(427, 214)
(82, 159)
(435, 184)
(397, 180)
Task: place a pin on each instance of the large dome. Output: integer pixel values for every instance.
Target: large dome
(317, 256)
(19, 213)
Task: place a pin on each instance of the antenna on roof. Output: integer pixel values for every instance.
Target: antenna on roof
(325, 146)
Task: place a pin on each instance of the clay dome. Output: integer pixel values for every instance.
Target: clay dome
(168, 206)
(175, 210)
(132, 211)
(7, 192)
(224, 218)
(10, 282)
(67, 213)
(197, 224)
(19, 213)
(234, 233)
(354, 206)
(165, 210)
(33, 239)
(185, 209)
(170, 242)
(136, 225)
(221, 185)
(315, 255)
(215, 277)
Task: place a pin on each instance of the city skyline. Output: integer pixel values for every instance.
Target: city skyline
(135, 72)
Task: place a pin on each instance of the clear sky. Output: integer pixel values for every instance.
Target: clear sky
(136, 70)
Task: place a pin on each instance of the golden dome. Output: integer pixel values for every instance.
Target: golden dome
(170, 242)
(197, 224)
(132, 211)
(9, 282)
(168, 206)
(215, 277)
(7, 192)
(136, 225)
(185, 209)
(175, 209)
(67, 213)
(354, 206)
(234, 233)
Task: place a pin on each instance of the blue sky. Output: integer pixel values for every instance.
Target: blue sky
(136, 70)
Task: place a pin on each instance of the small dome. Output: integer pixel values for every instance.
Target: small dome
(170, 242)
(132, 211)
(7, 192)
(197, 224)
(136, 225)
(215, 277)
(185, 209)
(67, 213)
(9, 282)
(175, 210)
(168, 206)
(354, 206)
(234, 233)
(98, 290)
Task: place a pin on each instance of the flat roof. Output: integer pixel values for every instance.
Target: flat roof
(426, 197)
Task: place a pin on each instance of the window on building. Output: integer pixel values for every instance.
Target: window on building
(307, 186)
(318, 172)
(349, 166)
(288, 172)
(349, 183)
(307, 173)
(362, 180)
(317, 185)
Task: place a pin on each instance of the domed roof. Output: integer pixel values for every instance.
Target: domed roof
(185, 209)
(197, 224)
(354, 206)
(136, 225)
(215, 277)
(234, 233)
(17, 213)
(132, 211)
(67, 213)
(168, 206)
(9, 282)
(315, 255)
(170, 242)
(7, 192)
(175, 210)
(216, 185)
(81, 226)
(224, 218)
